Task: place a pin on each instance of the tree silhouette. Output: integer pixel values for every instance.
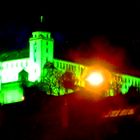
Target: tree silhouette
(68, 80)
(116, 84)
(51, 82)
(133, 96)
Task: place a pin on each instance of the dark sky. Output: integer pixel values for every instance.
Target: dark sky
(78, 32)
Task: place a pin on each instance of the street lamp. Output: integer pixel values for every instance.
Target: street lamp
(97, 79)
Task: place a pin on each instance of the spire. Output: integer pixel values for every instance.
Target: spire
(40, 24)
(41, 19)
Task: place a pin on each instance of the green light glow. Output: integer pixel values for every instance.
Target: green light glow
(10, 94)
(126, 81)
(111, 92)
(10, 69)
(41, 50)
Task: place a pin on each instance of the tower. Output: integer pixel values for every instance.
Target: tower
(41, 47)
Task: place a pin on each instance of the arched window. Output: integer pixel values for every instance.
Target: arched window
(35, 50)
(23, 76)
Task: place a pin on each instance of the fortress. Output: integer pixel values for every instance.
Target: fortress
(32, 60)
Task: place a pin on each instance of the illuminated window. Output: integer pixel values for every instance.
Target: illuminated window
(133, 83)
(55, 64)
(11, 65)
(71, 67)
(7, 65)
(35, 49)
(137, 83)
(126, 86)
(64, 65)
(35, 54)
(26, 63)
(79, 67)
(34, 58)
(17, 64)
(67, 66)
(21, 64)
(60, 65)
(1, 68)
(82, 70)
(34, 43)
(124, 80)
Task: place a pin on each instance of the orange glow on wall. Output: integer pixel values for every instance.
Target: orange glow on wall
(97, 78)
(120, 112)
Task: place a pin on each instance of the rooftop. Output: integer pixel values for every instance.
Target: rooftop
(13, 55)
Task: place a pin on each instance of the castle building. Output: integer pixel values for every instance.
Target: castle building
(32, 61)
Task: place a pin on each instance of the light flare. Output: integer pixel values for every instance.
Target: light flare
(95, 78)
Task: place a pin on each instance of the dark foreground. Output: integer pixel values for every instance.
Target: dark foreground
(68, 117)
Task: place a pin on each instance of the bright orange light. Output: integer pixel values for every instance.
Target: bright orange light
(95, 78)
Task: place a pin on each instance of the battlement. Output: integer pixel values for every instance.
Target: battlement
(40, 34)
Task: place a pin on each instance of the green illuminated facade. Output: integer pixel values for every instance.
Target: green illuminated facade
(32, 61)
(124, 82)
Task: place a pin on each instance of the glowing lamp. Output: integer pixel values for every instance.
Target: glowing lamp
(95, 78)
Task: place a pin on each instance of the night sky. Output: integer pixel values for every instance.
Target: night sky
(115, 39)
